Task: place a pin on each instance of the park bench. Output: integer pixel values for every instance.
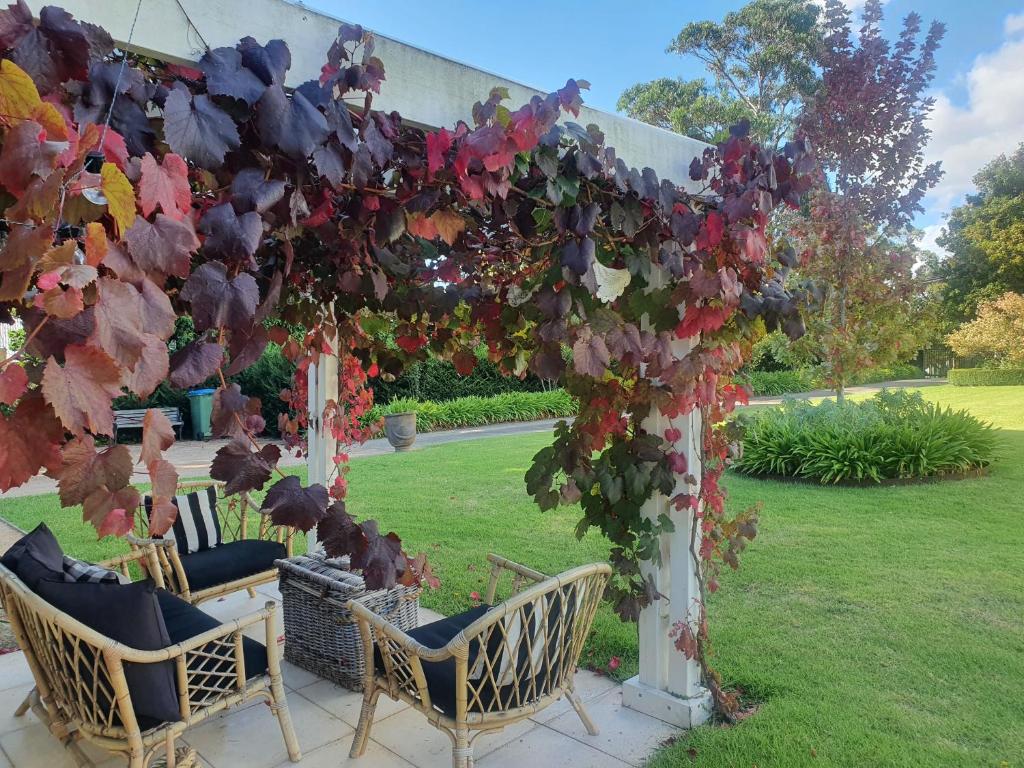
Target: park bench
(132, 419)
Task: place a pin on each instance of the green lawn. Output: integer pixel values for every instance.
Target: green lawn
(878, 626)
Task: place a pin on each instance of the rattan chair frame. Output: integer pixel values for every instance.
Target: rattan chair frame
(402, 656)
(234, 522)
(99, 711)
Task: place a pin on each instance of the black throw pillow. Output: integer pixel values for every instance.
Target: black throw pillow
(129, 614)
(35, 556)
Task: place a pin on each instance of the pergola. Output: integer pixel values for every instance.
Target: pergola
(432, 91)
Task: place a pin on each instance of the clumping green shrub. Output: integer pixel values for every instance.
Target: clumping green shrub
(894, 435)
(478, 411)
(437, 380)
(986, 377)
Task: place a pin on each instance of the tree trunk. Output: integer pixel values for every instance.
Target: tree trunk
(840, 380)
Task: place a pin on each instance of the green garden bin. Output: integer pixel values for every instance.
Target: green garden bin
(201, 404)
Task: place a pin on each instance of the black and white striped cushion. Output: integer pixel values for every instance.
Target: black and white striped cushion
(196, 527)
(81, 571)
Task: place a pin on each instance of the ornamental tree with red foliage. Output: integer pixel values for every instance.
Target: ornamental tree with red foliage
(867, 121)
(519, 232)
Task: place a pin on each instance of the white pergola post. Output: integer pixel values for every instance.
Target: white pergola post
(669, 685)
(322, 382)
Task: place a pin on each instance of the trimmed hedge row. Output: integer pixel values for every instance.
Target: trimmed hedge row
(986, 377)
(775, 383)
(437, 380)
(477, 411)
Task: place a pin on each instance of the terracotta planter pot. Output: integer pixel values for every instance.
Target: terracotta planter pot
(400, 429)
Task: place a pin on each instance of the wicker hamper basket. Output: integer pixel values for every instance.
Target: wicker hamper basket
(320, 633)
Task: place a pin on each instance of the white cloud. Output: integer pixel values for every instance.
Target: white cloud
(1014, 23)
(929, 234)
(966, 138)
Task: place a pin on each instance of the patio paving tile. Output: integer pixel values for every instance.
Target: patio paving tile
(14, 671)
(410, 735)
(589, 685)
(251, 737)
(295, 677)
(10, 700)
(624, 733)
(543, 747)
(346, 704)
(335, 755)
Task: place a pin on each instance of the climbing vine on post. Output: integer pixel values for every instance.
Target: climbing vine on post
(133, 197)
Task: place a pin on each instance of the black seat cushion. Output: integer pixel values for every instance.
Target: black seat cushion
(440, 675)
(234, 560)
(129, 614)
(35, 556)
(185, 621)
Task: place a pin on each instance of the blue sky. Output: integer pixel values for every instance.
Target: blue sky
(979, 81)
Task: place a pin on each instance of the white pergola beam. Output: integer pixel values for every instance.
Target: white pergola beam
(426, 88)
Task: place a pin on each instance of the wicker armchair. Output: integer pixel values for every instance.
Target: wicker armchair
(81, 692)
(236, 526)
(490, 667)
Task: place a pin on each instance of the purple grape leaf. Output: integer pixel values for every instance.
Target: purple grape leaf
(292, 125)
(195, 363)
(219, 301)
(382, 561)
(246, 346)
(197, 129)
(230, 236)
(268, 62)
(227, 76)
(288, 503)
(250, 191)
(590, 355)
(243, 469)
(340, 533)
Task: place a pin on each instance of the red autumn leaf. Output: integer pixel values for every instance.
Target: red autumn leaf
(420, 226)
(81, 391)
(418, 571)
(677, 462)
(95, 243)
(150, 369)
(84, 470)
(157, 436)
(474, 596)
(165, 185)
(438, 145)
(29, 440)
(118, 316)
(464, 362)
(704, 319)
(162, 514)
(411, 344)
(163, 477)
(64, 303)
(448, 224)
(289, 503)
(13, 383)
(673, 435)
(112, 513)
(26, 155)
(614, 663)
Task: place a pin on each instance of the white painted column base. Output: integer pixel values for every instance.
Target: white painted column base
(674, 710)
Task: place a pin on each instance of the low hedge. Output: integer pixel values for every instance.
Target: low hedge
(477, 411)
(986, 377)
(894, 435)
(775, 383)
